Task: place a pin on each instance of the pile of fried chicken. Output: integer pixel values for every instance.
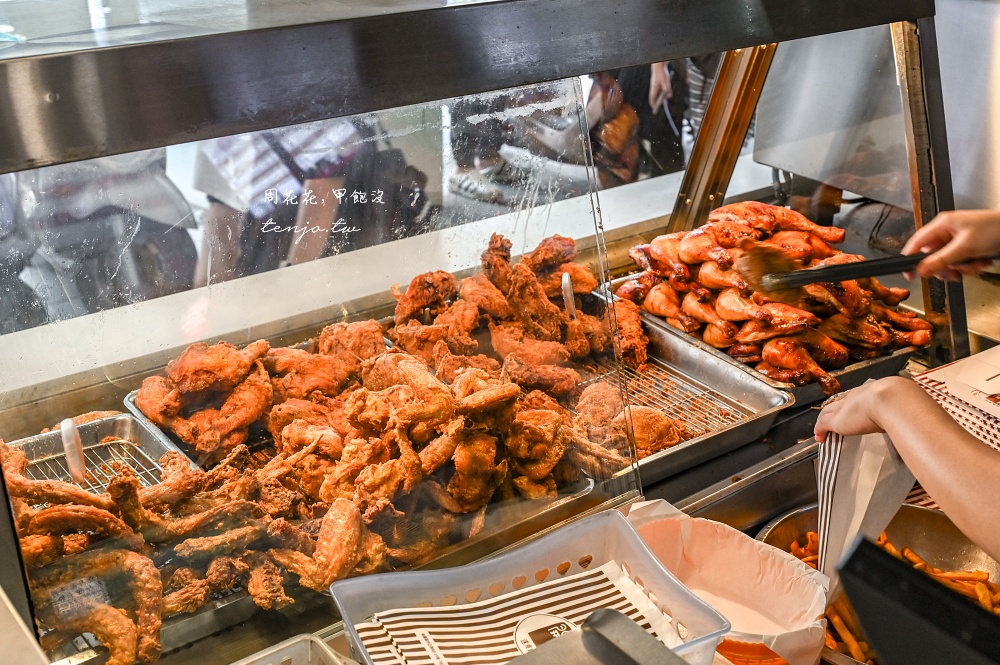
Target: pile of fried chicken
(381, 457)
(689, 280)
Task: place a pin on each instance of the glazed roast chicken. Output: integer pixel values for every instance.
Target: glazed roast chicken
(688, 279)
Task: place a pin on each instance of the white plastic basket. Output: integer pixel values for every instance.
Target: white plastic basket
(584, 544)
(300, 650)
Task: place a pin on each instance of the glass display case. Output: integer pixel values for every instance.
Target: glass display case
(342, 274)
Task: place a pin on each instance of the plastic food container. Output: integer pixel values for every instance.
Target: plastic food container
(570, 549)
(301, 650)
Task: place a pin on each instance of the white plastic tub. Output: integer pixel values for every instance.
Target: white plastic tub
(584, 544)
(300, 650)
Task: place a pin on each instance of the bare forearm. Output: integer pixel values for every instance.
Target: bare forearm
(960, 472)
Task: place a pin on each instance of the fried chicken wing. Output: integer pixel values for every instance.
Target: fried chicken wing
(476, 472)
(43, 491)
(40, 550)
(338, 548)
(550, 253)
(510, 339)
(178, 482)
(352, 343)
(449, 365)
(549, 378)
(537, 442)
(224, 543)
(309, 412)
(496, 262)
(430, 290)
(299, 373)
(218, 368)
(112, 628)
(186, 599)
(358, 454)
(299, 433)
(223, 572)
(631, 340)
(439, 452)
(540, 318)
(291, 537)
(67, 518)
(433, 403)
(420, 341)
(461, 318)
(482, 293)
(581, 277)
(265, 585)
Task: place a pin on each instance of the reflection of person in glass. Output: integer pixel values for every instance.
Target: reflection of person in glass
(274, 197)
(958, 470)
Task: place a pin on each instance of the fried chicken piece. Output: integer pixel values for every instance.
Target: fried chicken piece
(358, 454)
(433, 403)
(537, 442)
(223, 572)
(38, 492)
(536, 491)
(461, 318)
(716, 337)
(496, 263)
(713, 276)
(731, 306)
(22, 513)
(75, 543)
(449, 365)
(420, 341)
(143, 583)
(791, 353)
(178, 482)
(549, 378)
(597, 331)
(40, 550)
(298, 434)
(706, 313)
(90, 416)
(266, 585)
(891, 296)
(652, 430)
(599, 403)
(864, 331)
(338, 548)
(224, 543)
(631, 339)
(581, 277)
(576, 342)
(481, 292)
(550, 254)
(372, 555)
(291, 537)
(378, 484)
(309, 412)
(352, 343)
(181, 578)
(796, 377)
(159, 399)
(745, 353)
(60, 519)
(540, 318)
(776, 320)
(478, 392)
(439, 452)
(902, 339)
(476, 472)
(430, 290)
(218, 368)
(186, 599)
(510, 339)
(701, 245)
(299, 373)
(901, 320)
(637, 288)
(662, 256)
(828, 353)
(111, 626)
(752, 213)
(664, 301)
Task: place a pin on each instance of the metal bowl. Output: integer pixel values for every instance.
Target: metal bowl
(927, 532)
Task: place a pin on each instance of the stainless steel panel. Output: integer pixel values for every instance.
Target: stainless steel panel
(969, 52)
(88, 103)
(831, 111)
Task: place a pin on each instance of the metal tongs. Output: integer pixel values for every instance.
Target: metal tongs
(73, 447)
(569, 301)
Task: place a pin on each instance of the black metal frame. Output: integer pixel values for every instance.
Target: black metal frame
(83, 104)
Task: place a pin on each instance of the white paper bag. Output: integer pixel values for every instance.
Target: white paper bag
(862, 482)
(768, 596)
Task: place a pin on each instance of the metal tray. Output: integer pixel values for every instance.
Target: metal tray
(136, 444)
(727, 408)
(849, 377)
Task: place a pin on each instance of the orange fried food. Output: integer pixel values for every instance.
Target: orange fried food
(60, 519)
(358, 454)
(701, 245)
(477, 392)
(265, 585)
(449, 365)
(90, 416)
(481, 292)
(582, 278)
(891, 296)
(461, 318)
(432, 402)
(430, 290)
(145, 587)
(178, 482)
(548, 378)
(299, 434)
(596, 330)
(599, 403)
(537, 442)
(439, 452)
(790, 353)
(510, 339)
(550, 253)
(706, 313)
(712, 276)
(289, 411)
(159, 399)
(187, 598)
(540, 318)
(40, 550)
(864, 331)
(224, 543)
(476, 476)
(631, 339)
(352, 343)
(43, 491)
(299, 372)
(291, 537)
(496, 263)
(653, 430)
(419, 340)
(664, 301)
(338, 548)
(218, 368)
(111, 626)
(223, 571)
(637, 288)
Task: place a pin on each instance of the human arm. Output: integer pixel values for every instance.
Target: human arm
(959, 471)
(955, 236)
(314, 219)
(659, 85)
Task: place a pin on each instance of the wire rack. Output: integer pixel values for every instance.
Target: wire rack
(99, 459)
(661, 387)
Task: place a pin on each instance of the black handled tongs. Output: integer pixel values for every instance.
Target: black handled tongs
(780, 281)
